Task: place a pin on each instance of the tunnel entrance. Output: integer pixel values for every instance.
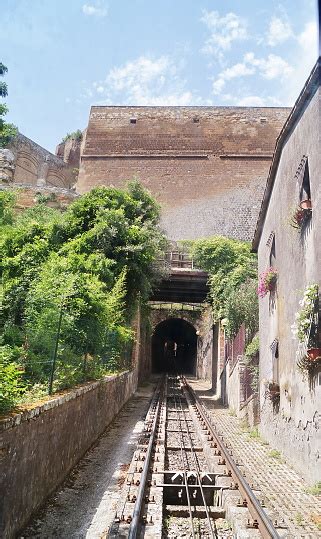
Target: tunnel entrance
(174, 347)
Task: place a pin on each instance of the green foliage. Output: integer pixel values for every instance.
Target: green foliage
(253, 347)
(251, 361)
(91, 265)
(230, 264)
(315, 489)
(76, 135)
(242, 306)
(275, 454)
(11, 383)
(7, 131)
(3, 69)
(7, 203)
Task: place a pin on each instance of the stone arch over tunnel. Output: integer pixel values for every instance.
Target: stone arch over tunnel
(174, 347)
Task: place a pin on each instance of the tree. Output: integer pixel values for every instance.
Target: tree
(7, 131)
(82, 271)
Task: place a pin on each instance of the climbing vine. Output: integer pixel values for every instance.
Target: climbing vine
(232, 269)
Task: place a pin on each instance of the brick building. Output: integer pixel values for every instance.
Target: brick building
(207, 166)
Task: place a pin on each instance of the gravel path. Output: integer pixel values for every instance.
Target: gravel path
(83, 506)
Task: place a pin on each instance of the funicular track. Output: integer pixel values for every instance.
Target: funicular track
(171, 477)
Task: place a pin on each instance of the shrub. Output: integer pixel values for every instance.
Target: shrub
(11, 382)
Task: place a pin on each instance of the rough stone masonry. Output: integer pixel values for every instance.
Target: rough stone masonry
(207, 166)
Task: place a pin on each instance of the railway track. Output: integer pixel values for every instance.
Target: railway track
(179, 474)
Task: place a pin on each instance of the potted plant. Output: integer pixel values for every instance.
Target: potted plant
(301, 214)
(306, 204)
(304, 327)
(267, 282)
(314, 354)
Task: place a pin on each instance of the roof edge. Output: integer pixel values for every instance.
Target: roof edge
(306, 95)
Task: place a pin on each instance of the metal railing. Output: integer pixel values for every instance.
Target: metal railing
(176, 259)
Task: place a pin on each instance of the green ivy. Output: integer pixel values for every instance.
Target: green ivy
(232, 269)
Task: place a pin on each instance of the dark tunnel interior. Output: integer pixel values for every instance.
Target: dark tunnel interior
(174, 347)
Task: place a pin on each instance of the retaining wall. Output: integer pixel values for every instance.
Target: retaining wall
(40, 446)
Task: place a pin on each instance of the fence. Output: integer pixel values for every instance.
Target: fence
(176, 259)
(234, 349)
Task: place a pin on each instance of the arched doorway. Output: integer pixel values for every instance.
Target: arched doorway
(174, 347)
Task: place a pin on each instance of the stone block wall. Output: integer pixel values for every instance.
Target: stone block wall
(39, 447)
(293, 424)
(34, 165)
(28, 196)
(206, 166)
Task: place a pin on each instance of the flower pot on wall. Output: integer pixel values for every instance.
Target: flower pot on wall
(314, 353)
(306, 204)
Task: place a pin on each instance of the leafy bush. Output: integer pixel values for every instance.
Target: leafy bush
(253, 347)
(76, 135)
(88, 266)
(11, 383)
(242, 307)
(230, 263)
(251, 361)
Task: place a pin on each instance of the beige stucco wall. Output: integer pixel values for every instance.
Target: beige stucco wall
(295, 426)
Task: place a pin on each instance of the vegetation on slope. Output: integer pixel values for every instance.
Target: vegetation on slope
(87, 268)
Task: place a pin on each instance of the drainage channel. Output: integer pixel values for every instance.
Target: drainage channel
(179, 476)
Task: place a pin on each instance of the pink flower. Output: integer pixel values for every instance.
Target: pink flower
(267, 282)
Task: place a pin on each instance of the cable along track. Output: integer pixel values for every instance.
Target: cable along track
(171, 490)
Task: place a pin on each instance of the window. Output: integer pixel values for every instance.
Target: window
(275, 360)
(305, 191)
(272, 258)
(133, 120)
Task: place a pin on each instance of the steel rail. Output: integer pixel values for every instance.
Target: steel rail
(264, 523)
(184, 467)
(197, 470)
(135, 524)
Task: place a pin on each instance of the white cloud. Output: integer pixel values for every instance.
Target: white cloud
(279, 31)
(146, 81)
(269, 68)
(303, 61)
(223, 32)
(250, 100)
(100, 9)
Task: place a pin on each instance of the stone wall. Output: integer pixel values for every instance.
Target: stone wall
(206, 367)
(33, 165)
(293, 424)
(207, 166)
(69, 151)
(28, 196)
(39, 447)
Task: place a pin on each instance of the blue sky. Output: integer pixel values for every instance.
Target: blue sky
(66, 55)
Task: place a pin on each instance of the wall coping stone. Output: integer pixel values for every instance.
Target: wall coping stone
(26, 415)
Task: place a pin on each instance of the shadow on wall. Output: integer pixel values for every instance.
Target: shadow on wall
(174, 347)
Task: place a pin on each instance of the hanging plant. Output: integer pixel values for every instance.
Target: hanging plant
(267, 282)
(300, 216)
(303, 318)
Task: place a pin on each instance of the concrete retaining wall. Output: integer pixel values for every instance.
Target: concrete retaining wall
(40, 446)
